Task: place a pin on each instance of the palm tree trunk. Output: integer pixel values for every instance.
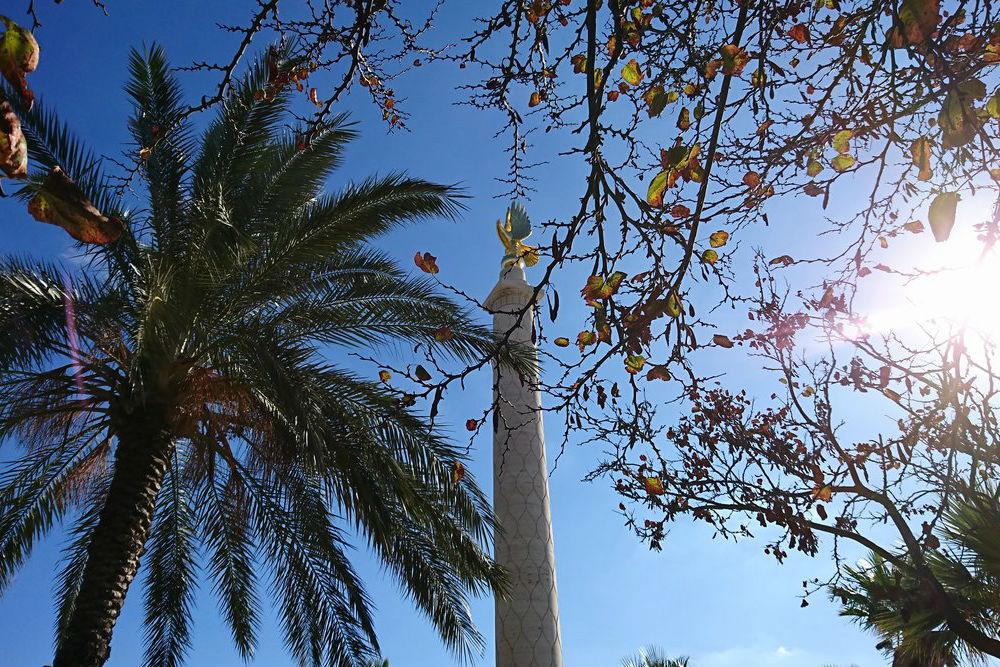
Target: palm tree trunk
(118, 542)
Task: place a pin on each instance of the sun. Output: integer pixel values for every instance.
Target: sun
(957, 284)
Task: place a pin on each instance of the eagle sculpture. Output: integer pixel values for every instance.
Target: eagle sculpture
(512, 234)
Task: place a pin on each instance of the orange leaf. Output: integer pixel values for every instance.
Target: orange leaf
(799, 32)
(722, 341)
(824, 493)
(426, 262)
(654, 486)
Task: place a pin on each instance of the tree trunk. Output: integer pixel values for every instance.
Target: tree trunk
(141, 460)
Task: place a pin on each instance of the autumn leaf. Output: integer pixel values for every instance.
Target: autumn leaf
(597, 288)
(914, 227)
(799, 32)
(562, 341)
(673, 305)
(718, 239)
(534, 100)
(958, 119)
(684, 120)
(920, 151)
(734, 59)
(813, 168)
(585, 338)
(883, 377)
(426, 262)
(890, 394)
(993, 105)
(18, 58)
(654, 196)
(827, 299)
(13, 145)
(634, 363)
(722, 341)
(784, 260)
(443, 335)
(384, 376)
(824, 493)
(842, 163)
(709, 256)
(457, 472)
(421, 373)
(680, 211)
(842, 141)
(60, 202)
(631, 73)
(919, 19)
(658, 373)
(654, 486)
(751, 179)
(656, 99)
(471, 424)
(821, 511)
(941, 215)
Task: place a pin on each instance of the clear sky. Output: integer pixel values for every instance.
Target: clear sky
(724, 605)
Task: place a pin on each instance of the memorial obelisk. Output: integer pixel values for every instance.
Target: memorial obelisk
(527, 619)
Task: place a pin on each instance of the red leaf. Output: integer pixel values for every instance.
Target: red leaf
(426, 262)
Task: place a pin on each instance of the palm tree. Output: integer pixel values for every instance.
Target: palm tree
(178, 398)
(653, 656)
(888, 600)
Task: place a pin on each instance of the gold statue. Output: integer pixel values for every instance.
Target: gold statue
(512, 233)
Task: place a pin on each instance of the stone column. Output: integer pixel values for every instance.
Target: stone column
(527, 620)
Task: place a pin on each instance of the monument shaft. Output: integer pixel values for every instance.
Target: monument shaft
(527, 619)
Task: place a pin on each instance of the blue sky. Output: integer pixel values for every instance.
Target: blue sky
(725, 605)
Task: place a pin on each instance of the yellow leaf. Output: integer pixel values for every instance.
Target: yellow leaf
(842, 162)
(718, 239)
(631, 73)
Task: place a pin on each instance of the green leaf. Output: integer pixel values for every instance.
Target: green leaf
(421, 373)
(942, 215)
(709, 256)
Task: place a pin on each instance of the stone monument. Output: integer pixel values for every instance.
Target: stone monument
(527, 619)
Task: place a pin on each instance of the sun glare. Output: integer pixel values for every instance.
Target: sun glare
(958, 286)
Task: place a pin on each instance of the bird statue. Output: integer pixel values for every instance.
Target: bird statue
(512, 233)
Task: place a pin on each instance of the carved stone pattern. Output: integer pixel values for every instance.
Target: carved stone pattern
(527, 621)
